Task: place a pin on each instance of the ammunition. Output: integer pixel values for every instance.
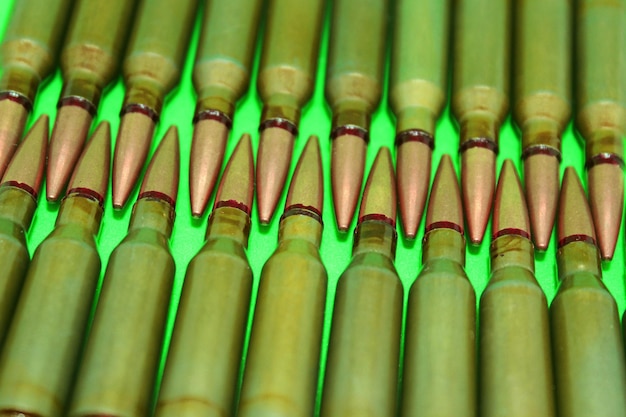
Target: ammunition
(281, 371)
(417, 94)
(205, 352)
(542, 84)
(285, 82)
(89, 61)
(588, 349)
(18, 200)
(29, 54)
(353, 90)
(364, 349)
(515, 357)
(480, 87)
(601, 114)
(154, 57)
(118, 369)
(44, 341)
(440, 339)
(221, 75)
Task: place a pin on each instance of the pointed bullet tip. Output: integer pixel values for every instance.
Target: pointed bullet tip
(445, 209)
(162, 174)
(207, 154)
(606, 204)
(510, 215)
(478, 183)
(541, 174)
(347, 167)
(66, 143)
(92, 170)
(574, 213)
(131, 150)
(413, 165)
(307, 184)
(236, 188)
(273, 160)
(26, 168)
(379, 196)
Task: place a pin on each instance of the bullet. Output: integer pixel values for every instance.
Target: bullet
(29, 55)
(542, 103)
(285, 83)
(221, 75)
(118, 369)
(417, 94)
(89, 61)
(202, 369)
(588, 349)
(44, 341)
(440, 339)
(18, 201)
(601, 113)
(364, 348)
(515, 358)
(281, 372)
(480, 88)
(151, 68)
(353, 90)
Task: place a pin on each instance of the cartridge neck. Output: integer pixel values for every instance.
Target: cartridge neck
(375, 236)
(281, 106)
(542, 133)
(512, 250)
(352, 113)
(146, 93)
(22, 82)
(152, 213)
(443, 243)
(576, 257)
(416, 118)
(300, 227)
(605, 140)
(218, 99)
(479, 125)
(17, 205)
(85, 85)
(81, 209)
(229, 223)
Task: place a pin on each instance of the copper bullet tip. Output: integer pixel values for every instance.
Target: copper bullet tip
(306, 190)
(575, 222)
(273, 160)
(347, 166)
(207, 153)
(541, 174)
(510, 215)
(131, 150)
(237, 185)
(379, 197)
(606, 200)
(26, 169)
(444, 206)
(162, 175)
(477, 183)
(91, 175)
(13, 116)
(413, 167)
(66, 143)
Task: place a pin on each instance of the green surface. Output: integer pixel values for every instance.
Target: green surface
(188, 235)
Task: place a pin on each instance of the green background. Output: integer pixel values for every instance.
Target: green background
(188, 234)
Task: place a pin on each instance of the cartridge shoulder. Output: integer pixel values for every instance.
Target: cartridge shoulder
(372, 267)
(443, 275)
(71, 235)
(299, 264)
(146, 237)
(511, 281)
(220, 256)
(581, 288)
(11, 233)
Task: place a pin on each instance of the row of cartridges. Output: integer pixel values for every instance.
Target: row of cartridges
(61, 356)
(530, 41)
